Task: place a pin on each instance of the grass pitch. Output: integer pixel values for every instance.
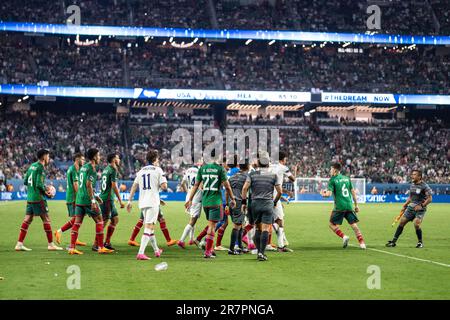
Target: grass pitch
(318, 268)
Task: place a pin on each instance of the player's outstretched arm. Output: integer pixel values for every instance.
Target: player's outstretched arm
(278, 196)
(229, 193)
(117, 193)
(244, 195)
(130, 199)
(355, 200)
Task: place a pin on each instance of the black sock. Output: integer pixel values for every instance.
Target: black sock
(397, 234)
(419, 234)
(257, 239)
(239, 238)
(234, 234)
(264, 241)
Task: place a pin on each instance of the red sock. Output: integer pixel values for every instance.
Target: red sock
(74, 234)
(209, 242)
(136, 229)
(162, 225)
(247, 229)
(220, 233)
(48, 231)
(99, 234)
(109, 233)
(360, 237)
(68, 225)
(339, 233)
(202, 234)
(23, 230)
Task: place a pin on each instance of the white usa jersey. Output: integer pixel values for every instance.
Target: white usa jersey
(149, 179)
(189, 178)
(281, 171)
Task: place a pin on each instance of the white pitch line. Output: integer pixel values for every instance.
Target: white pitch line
(408, 257)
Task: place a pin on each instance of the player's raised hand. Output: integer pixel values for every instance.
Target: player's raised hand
(129, 206)
(356, 209)
(162, 202)
(122, 205)
(233, 203)
(188, 204)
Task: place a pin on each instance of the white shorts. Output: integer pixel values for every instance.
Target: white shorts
(195, 210)
(278, 212)
(150, 215)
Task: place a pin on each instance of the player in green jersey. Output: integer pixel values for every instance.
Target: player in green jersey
(87, 203)
(341, 188)
(108, 193)
(36, 203)
(71, 192)
(211, 176)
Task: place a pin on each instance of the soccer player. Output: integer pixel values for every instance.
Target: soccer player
(107, 187)
(414, 208)
(149, 180)
(195, 210)
(281, 170)
(342, 190)
(237, 182)
(36, 203)
(261, 183)
(212, 176)
(86, 203)
(71, 192)
(248, 234)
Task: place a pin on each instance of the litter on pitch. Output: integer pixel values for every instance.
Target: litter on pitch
(161, 266)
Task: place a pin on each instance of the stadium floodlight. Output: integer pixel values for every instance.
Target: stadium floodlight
(271, 42)
(248, 42)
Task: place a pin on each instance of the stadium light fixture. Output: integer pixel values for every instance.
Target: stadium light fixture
(248, 42)
(271, 42)
(25, 98)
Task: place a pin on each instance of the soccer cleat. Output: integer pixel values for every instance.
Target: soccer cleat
(419, 244)
(345, 241)
(75, 251)
(53, 247)
(133, 243)
(254, 251)
(273, 245)
(80, 243)
(203, 244)
(245, 250)
(171, 242)
(362, 245)
(109, 246)
(181, 244)
(213, 253)
(58, 237)
(251, 246)
(231, 252)
(142, 257)
(104, 250)
(284, 249)
(94, 248)
(220, 248)
(21, 247)
(270, 248)
(209, 256)
(191, 242)
(262, 257)
(391, 244)
(158, 253)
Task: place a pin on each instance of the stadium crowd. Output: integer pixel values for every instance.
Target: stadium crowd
(386, 155)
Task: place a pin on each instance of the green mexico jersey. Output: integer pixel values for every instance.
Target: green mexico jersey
(341, 186)
(87, 172)
(34, 180)
(212, 175)
(72, 177)
(109, 175)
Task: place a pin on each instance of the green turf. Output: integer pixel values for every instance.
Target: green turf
(318, 269)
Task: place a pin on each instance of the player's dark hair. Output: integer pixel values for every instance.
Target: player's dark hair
(418, 171)
(77, 155)
(337, 166)
(282, 155)
(111, 157)
(41, 153)
(91, 153)
(234, 163)
(244, 166)
(152, 155)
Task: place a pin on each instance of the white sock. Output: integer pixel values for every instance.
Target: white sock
(153, 243)
(280, 237)
(192, 235)
(60, 231)
(251, 235)
(144, 240)
(186, 231)
(275, 226)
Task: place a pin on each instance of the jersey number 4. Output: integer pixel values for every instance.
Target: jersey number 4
(146, 182)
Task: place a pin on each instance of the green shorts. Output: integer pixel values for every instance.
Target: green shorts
(109, 210)
(71, 209)
(262, 211)
(410, 214)
(213, 213)
(237, 217)
(37, 208)
(337, 217)
(83, 210)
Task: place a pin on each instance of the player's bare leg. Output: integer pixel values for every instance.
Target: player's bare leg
(137, 228)
(340, 234)
(23, 233)
(48, 231)
(398, 232)
(417, 226)
(188, 230)
(358, 235)
(113, 222)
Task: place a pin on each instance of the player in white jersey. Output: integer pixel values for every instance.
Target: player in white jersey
(282, 171)
(195, 210)
(150, 179)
